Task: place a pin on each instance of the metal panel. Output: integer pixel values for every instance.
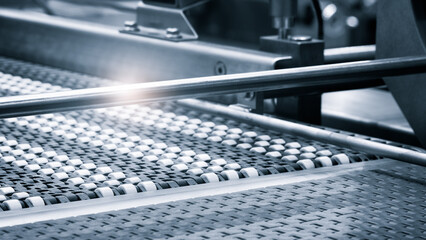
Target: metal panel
(401, 33)
(104, 52)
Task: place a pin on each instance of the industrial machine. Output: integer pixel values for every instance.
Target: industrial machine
(207, 119)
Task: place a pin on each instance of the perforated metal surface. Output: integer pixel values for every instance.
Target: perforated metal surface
(387, 203)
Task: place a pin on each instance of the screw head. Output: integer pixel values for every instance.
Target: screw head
(301, 38)
(173, 33)
(131, 26)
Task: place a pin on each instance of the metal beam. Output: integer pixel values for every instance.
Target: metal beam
(205, 86)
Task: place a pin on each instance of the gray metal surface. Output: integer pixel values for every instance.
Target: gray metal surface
(382, 203)
(101, 51)
(401, 31)
(206, 86)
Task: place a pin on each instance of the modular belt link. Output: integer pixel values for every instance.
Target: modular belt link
(62, 157)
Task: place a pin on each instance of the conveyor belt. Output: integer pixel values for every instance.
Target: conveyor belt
(67, 157)
(385, 203)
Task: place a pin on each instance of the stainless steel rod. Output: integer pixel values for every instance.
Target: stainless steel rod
(322, 75)
(308, 132)
(348, 54)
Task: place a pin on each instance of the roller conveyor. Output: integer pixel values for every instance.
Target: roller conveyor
(76, 157)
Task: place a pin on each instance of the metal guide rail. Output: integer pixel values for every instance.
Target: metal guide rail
(54, 159)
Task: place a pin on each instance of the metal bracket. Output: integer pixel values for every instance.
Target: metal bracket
(162, 22)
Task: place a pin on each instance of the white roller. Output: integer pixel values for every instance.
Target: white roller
(150, 158)
(104, 192)
(233, 166)
(60, 176)
(306, 164)
(185, 159)
(293, 145)
(132, 180)
(258, 149)
(81, 173)
(49, 154)
(210, 177)
(88, 166)
(112, 183)
(199, 164)
(276, 147)
(35, 201)
(147, 186)
(20, 163)
(128, 188)
(166, 162)
(74, 162)
(8, 159)
(292, 151)
(195, 171)
(117, 175)
(279, 141)
(307, 149)
(219, 162)
(307, 155)
(188, 153)
(104, 170)
(168, 156)
(230, 175)
(88, 186)
(249, 172)
(325, 153)
(46, 171)
(274, 154)
(290, 158)
(215, 168)
(6, 190)
(143, 148)
(61, 158)
(54, 165)
(202, 157)
(122, 150)
(180, 167)
(98, 178)
(66, 168)
(40, 161)
(75, 181)
(20, 195)
(341, 158)
(13, 204)
(325, 161)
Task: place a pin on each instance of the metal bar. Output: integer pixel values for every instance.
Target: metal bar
(204, 86)
(348, 54)
(321, 135)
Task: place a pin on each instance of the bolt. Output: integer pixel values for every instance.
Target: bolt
(131, 26)
(173, 33)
